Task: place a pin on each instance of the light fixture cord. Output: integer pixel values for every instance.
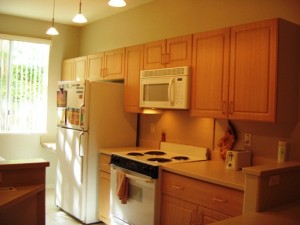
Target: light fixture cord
(80, 7)
(53, 13)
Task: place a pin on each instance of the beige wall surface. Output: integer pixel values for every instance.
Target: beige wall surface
(168, 18)
(63, 46)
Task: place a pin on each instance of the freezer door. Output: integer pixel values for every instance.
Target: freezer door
(71, 104)
(70, 183)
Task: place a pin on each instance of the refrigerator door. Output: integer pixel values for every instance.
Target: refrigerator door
(70, 104)
(70, 183)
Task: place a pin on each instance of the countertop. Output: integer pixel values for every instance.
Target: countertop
(23, 164)
(209, 171)
(10, 196)
(287, 214)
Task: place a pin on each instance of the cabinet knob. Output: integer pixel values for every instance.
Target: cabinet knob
(177, 187)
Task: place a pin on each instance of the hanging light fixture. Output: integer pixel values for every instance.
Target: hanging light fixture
(79, 18)
(52, 30)
(117, 3)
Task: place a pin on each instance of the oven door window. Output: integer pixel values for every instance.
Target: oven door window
(140, 205)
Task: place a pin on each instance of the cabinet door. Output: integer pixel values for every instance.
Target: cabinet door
(114, 64)
(95, 66)
(80, 68)
(67, 70)
(133, 66)
(253, 71)
(207, 216)
(153, 54)
(210, 75)
(178, 51)
(177, 212)
(104, 196)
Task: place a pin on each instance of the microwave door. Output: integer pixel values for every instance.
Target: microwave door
(155, 93)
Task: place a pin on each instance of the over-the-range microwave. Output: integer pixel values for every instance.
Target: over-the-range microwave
(166, 88)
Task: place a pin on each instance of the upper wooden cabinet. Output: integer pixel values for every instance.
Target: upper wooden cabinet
(236, 71)
(133, 66)
(171, 52)
(210, 76)
(108, 65)
(74, 69)
(95, 66)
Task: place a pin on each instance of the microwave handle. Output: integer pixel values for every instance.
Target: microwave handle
(171, 91)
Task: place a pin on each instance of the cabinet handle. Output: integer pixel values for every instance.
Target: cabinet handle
(177, 187)
(219, 200)
(167, 58)
(163, 59)
(231, 107)
(224, 107)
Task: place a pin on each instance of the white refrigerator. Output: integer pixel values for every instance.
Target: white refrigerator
(90, 116)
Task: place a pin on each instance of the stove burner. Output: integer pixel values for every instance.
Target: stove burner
(158, 160)
(154, 153)
(181, 158)
(135, 154)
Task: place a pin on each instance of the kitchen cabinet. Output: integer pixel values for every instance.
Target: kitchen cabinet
(95, 66)
(210, 76)
(104, 188)
(133, 66)
(108, 65)
(237, 70)
(74, 69)
(189, 201)
(171, 52)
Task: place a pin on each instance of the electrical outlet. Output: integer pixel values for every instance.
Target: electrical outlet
(248, 140)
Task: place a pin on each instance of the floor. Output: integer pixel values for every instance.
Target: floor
(55, 216)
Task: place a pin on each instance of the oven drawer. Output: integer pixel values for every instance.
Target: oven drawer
(104, 161)
(221, 199)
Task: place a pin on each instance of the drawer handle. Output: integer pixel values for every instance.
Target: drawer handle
(219, 200)
(177, 187)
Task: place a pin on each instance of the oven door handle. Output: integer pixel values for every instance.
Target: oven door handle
(138, 178)
(129, 176)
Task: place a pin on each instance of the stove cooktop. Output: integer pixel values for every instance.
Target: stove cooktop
(157, 157)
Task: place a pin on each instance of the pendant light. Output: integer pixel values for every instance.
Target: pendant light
(79, 18)
(117, 3)
(52, 30)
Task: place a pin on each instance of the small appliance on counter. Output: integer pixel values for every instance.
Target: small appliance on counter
(237, 159)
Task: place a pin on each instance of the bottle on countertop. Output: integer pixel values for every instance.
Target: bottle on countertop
(282, 151)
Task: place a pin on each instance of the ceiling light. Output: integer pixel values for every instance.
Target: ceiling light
(79, 18)
(117, 3)
(52, 30)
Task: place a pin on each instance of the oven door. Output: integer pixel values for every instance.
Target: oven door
(140, 206)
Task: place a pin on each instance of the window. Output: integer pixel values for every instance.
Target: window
(23, 84)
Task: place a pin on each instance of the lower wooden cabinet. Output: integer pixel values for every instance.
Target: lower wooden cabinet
(188, 201)
(104, 188)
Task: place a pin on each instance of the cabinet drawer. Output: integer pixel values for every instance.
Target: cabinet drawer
(104, 161)
(221, 199)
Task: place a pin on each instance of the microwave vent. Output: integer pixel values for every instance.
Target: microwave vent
(174, 71)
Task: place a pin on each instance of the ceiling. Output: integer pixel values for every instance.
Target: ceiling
(65, 10)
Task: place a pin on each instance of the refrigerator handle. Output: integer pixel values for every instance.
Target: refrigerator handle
(81, 154)
(82, 116)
